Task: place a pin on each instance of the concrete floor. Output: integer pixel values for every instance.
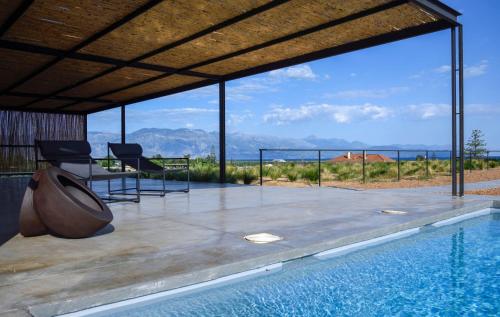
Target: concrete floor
(164, 243)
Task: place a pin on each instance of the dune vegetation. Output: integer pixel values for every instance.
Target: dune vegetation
(207, 170)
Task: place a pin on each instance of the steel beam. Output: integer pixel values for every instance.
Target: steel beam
(86, 42)
(461, 106)
(69, 98)
(31, 48)
(14, 108)
(440, 9)
(222, 132)
(342, 49)
(453, 112)
(346, 19)
(15, 16)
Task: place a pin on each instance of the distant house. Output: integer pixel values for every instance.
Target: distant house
(358, 158)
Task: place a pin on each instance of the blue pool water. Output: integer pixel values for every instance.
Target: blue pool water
(450, 271)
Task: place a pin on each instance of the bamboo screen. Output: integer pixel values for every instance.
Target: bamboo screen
(18, 131)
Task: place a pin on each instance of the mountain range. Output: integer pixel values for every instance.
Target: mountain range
(200, 143)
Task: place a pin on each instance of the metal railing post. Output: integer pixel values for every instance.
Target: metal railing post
(470, 162)
(260, 160)
(487, 160)
(427, 164)
(399, 167)
(319, 168)
(364, 166)
(451, 169)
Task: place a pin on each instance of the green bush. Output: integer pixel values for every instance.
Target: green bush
(310, 173)
(275, 173)
(247, 175)
(292, 175)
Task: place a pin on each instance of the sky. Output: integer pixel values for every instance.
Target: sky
(398, 93)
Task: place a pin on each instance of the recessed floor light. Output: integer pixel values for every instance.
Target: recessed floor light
(261, 238)
(394, 212)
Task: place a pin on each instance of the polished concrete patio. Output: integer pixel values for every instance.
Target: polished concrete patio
(164, 243)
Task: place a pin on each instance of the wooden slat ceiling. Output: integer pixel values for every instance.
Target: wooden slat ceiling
(90, 55)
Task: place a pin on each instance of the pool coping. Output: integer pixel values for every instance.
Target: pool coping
(176, 283)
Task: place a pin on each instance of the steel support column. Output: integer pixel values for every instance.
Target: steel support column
(453, 156)
(461, 106)
(122, 120)
(85, 126)
(122, 139)
(222, 131)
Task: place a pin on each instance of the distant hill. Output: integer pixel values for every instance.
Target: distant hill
(198, 143)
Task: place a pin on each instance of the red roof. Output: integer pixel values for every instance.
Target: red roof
(354, 157)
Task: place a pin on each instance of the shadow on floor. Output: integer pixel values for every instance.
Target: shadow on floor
(11, 195)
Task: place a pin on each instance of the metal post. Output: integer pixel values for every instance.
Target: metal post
(399, 166)
(487, 160)
(364, 166)
(453, 155)
(260, 159)
(122, 116)
(319, 168)
(450, 163)
(470, 162)
(427, 164)
(85, 127)
(461, 105)
(222, 131)
(122, 139)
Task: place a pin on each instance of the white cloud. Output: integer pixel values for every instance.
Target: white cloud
(482, 109)
(172, 114)
(370, 93)
(339, 113)
(189, 125)
(247, 87)
(235, 119)
(442, 69)
(300, 72)
(476, 70)
(429, 110)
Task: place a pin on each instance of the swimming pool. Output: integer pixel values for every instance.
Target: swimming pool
(452, 270)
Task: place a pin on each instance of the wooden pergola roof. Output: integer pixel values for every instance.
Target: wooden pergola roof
(86, 56)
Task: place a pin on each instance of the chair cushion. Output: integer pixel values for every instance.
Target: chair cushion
(60, 150)
(126, 151)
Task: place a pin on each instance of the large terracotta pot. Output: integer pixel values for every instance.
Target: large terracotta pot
(64, 206)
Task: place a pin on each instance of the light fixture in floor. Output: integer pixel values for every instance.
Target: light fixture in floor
(261, 238)
(394, 212)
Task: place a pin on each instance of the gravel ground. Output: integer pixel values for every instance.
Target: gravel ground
(489, 192)
(470, 177)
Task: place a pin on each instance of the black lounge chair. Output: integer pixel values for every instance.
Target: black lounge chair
(131, 154)
(74, 157)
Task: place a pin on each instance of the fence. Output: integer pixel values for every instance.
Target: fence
(420, 155)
